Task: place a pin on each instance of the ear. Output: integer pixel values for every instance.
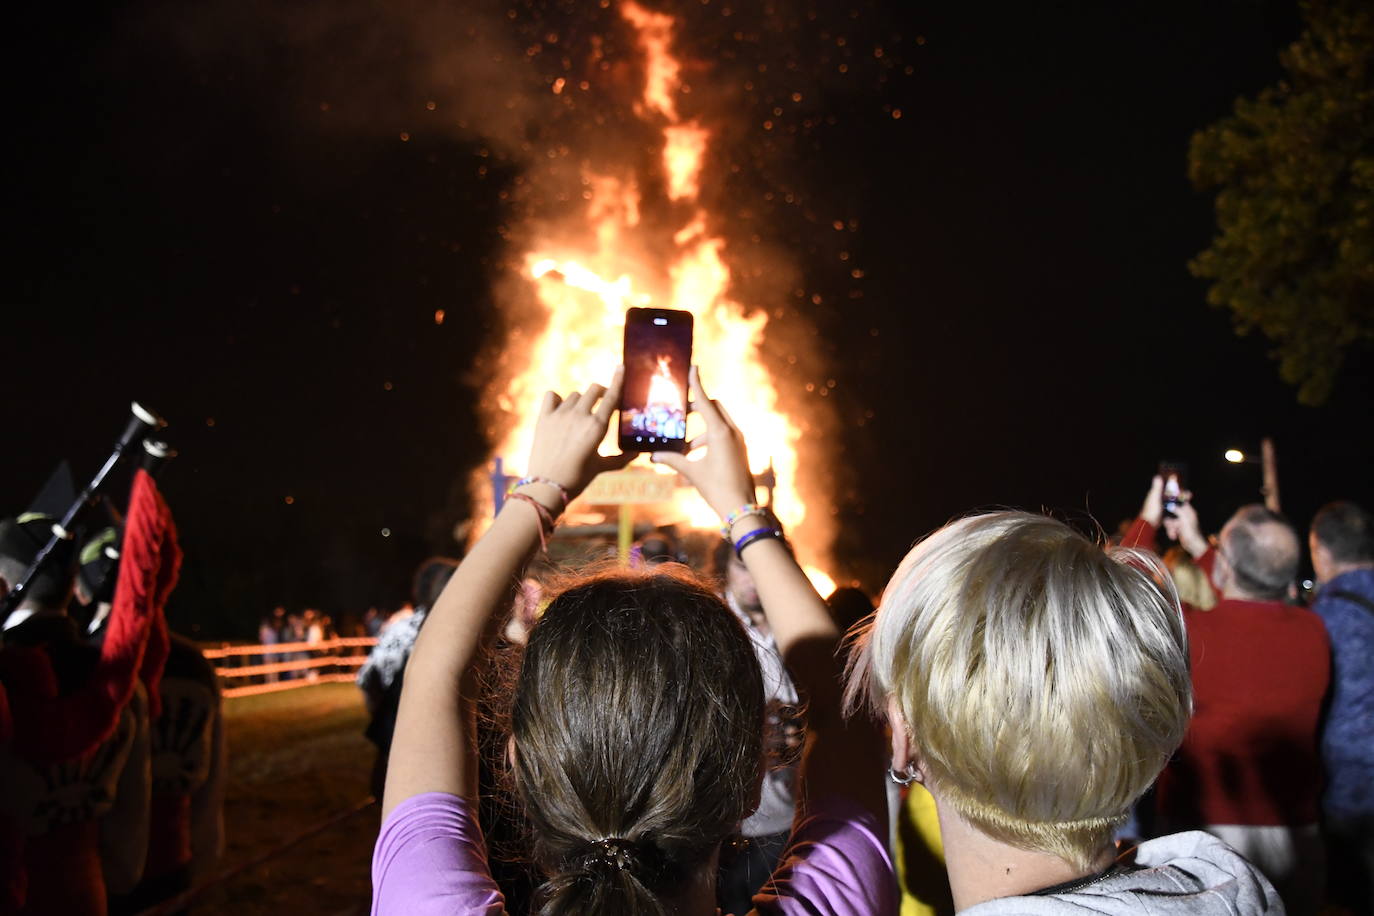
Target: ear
(904, 751)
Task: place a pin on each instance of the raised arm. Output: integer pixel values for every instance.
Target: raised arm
(434, 747)
(845, 758)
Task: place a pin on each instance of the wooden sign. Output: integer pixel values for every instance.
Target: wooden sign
(629, 487)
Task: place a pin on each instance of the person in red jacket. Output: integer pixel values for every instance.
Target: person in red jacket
(1249, 770)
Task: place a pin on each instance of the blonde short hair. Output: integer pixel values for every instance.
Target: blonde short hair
(1044, 680)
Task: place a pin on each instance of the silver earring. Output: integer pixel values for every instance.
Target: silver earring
(905, 778)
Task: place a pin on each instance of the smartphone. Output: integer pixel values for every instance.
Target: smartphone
(1175, 476)
(653, 402)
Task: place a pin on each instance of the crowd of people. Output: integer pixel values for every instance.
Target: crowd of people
(302, 630)
(1069, 734)
(1030, 720)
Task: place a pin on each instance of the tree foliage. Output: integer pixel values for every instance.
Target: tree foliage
(1293, 171)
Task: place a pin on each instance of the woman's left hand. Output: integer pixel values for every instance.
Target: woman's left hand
(568, 432)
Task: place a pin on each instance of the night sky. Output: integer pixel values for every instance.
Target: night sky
(247, 217)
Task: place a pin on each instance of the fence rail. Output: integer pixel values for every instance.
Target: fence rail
(287, 665)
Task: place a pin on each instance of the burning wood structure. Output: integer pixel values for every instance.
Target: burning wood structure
(587, 274)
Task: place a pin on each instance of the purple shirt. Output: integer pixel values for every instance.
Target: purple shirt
(431, 859)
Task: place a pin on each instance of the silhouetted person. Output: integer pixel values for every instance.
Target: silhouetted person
(1342, 545)
(383, 674)
(747, 865)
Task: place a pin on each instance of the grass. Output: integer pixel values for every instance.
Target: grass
(296, 759)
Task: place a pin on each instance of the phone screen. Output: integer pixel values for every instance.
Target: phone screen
(653, 404)
(1173, 473)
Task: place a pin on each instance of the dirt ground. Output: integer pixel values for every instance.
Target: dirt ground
(296, 760)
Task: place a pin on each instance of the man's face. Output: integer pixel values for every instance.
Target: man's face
(1321, 559)
(1221, 567)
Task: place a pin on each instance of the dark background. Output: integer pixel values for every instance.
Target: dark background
(210, 207)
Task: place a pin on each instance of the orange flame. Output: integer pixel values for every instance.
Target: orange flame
(663, 390)
(660, 67)
(587, 275)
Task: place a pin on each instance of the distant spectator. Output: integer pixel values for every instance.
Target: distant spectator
(1194, 586)
(1249, 770)
(849, 606)
(658, 547)
(269, 635)
(382, 675)
(1342, 545)
(746, 867)
(294, 633)
(314, 635)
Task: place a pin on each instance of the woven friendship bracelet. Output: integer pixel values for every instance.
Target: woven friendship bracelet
(562, 490)
(743, 511)
(758, 534)
(546, 523)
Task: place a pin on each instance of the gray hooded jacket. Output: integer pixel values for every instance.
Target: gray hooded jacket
(1187, 873)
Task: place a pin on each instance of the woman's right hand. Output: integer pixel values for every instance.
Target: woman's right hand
(722, 474)
(567, 433)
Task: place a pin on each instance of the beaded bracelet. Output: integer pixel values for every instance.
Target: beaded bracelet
(743, 511)
(546, 523)
(758, 534)
(562, 490)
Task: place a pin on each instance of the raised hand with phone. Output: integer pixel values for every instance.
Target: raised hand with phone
(1182, 524)
(805, 632)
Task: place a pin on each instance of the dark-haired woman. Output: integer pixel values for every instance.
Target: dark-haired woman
(637, 725)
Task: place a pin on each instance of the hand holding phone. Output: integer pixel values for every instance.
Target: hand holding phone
(653, 403)
(1174, 475)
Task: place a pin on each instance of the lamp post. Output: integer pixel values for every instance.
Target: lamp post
(1269, 469)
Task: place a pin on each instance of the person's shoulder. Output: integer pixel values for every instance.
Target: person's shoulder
(836, 863)
(1345, 592)
(1183, 874)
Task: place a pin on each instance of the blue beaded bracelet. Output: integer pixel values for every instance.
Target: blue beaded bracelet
(757, 534)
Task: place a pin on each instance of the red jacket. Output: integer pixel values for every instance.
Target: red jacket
(1260, 672)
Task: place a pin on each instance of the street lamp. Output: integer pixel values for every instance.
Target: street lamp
(1269, 468)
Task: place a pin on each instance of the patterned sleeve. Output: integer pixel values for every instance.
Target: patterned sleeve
(431, 858)
(837, 864)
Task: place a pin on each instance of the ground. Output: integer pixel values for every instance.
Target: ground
(297, 759)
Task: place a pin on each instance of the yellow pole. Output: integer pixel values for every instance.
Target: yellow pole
(627, 533)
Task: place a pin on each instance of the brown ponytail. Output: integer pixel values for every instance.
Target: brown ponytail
(638, 720)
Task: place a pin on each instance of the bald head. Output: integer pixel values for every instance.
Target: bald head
(1262, 550)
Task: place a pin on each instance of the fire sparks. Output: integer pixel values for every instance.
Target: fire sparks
(588, 270)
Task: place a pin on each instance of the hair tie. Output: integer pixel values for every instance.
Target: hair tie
(613, 852)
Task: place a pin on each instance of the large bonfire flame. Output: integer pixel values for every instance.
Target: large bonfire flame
(587, 284)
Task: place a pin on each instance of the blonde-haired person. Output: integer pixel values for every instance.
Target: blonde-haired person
(637, 720)
(1036, 685)
(1190, 580)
